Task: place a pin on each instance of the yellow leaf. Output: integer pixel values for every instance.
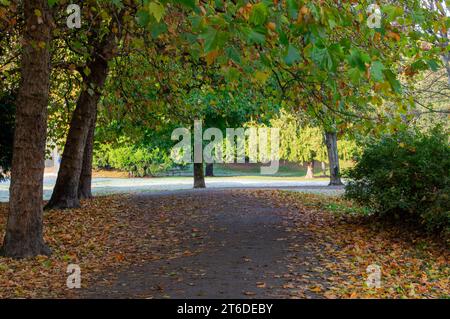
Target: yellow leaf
(315, 289)
(261, 284)
(261, 76)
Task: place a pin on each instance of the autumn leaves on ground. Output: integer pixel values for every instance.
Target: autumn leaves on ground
(223, 244)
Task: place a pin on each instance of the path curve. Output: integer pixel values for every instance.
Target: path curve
(244, 251)
(107, 186)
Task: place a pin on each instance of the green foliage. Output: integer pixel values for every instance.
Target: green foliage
(323, 55)
(137, 161)
(348, 149)
(7, 112)
(222, 107)
(301, 141)
(405, 175)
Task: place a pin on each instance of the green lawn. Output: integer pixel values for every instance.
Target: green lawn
(286, 171)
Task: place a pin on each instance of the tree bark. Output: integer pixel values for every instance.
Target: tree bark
(84, 187)
(333, 157)
(446, 58)
(65, 193)
(324, 169)
(199, 177)
(310, 169)
(24, 229)
(209, 170)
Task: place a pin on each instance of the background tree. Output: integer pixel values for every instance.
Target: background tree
(111, 25)
(300, 141)
(100, 47)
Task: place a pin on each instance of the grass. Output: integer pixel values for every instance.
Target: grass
(335, 205)
(286, 169)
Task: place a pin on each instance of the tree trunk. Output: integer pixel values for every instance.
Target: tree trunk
(446, 58)
(199, 177)
(310, 169)
(84, 187)
(209, 170)
(331, 142)
(24, 229)
(324, 169)
(65, 193)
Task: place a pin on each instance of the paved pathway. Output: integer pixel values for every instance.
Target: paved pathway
(244, 251)
(102, 186)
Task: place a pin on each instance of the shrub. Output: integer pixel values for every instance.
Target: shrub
(137, 161)
(405, 175)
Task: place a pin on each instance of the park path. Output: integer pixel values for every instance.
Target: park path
(107, 186)
(242, 247)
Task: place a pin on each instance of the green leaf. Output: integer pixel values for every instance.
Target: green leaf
(143, 18)
(259, 14)
(87, 71)
(214, 39)
(419, 65)
(187, 3)
(256, 37)
(283, 38)
(392, 11)
(395, 84)
(292, 56)
(118, 3)
(358, 59)
(322, 58)
(210, 39)
(157, 10)
(355, 75)
(233, 54)
(158, 29)
(376, 71)
(433, 64)
(292, 6)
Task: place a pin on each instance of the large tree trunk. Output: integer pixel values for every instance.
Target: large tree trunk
(65, 193)
(24, 229)
(209, 170)
(332, 148)
(199, 177)
(84, 187)
(310, 169)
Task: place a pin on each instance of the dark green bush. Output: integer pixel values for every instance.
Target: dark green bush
(137, 161)
(405, 175)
